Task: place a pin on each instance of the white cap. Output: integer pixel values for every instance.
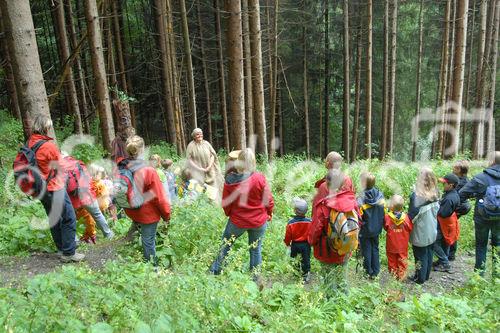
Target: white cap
(300, 205)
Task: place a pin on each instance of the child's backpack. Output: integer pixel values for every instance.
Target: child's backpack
(26, 172)
(489, 205)
(77, 177)
(126, 192)
(343, 231)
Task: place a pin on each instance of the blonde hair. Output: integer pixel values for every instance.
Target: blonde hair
(156, 159)
(426, 186)
(134, 146)
(462, 167)
(367, 180)
(335, 179)
(397, 203)
(41, 124)
(246, 161)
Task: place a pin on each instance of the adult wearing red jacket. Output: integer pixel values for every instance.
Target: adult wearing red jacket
(155, 205)
(55, 200)
(248, 202)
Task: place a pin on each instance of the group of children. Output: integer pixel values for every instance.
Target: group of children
(435, 236)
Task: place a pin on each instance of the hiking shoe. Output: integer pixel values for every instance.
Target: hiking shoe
(77, 257)
(110, 235)
(451, 258)
(307, 277)
(435, 263)
(442, 268)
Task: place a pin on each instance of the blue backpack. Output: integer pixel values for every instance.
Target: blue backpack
(489, 205)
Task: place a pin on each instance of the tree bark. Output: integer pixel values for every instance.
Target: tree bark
(458, 76)
(357, 98)
(305, 86)
(220, 67)
(468, 76)
(101, 82)
(368, 111)
(273, 88)
(347, 85)
(248, 70)
(257, 76)
(392, 87)
(189, 65)
(419, 74)
(23, 51)
(9, 75)
(385, 89)
(326, 118)
(490, 130)
(206, 84)
(235, 73)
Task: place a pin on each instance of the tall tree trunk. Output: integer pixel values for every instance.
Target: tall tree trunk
(79, 73)
(248, 70)
(368, 111)
(205, 74)
(419, 74)
(110, 59)
(23, 51)
(101, 82)
(458, 76)
(490, 130)
(357, 98)
(279, 107)
(274, 73)
(220, 67)
(476, 143)
(347, 85)
(159, 7)
(189, 65)
(305, 86)
(326, 120)
(69, 84)
(257, 76)
(9, 75)
(443, 79)
(392, 87)
(385, 89)
(235, 73)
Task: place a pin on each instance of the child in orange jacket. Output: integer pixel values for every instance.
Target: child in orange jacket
(398, 226)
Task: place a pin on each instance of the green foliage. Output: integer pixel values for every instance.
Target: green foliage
(88, 153)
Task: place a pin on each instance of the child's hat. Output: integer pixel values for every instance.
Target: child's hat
(300, 205)
(449, 179)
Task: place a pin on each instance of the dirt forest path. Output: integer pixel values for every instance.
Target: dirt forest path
(14, 270)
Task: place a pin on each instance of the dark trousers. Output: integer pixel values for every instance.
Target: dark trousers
(482, 230)
(370, 253)
(440, 248)
(304, 249)
(423, 263)
(62, 220)
(453, 251)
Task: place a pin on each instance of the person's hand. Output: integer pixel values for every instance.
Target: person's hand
(269, 217)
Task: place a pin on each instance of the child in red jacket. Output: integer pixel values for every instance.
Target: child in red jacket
(398, 226)
(296, 237)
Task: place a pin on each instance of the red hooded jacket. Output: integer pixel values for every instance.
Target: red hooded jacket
(322, 189)
(48, 157)
(398, 230)
(247, 200)
(342, 201)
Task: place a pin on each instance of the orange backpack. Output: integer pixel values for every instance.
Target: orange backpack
(343, 231)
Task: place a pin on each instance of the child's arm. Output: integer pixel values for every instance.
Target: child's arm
(446, 208)
(288, 235)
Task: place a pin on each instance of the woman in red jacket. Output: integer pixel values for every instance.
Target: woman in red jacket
(155, 204)
(248, 202)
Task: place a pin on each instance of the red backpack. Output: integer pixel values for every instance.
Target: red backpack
(26, 172)
(77, 176)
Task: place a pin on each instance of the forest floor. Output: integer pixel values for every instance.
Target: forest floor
(14, 270)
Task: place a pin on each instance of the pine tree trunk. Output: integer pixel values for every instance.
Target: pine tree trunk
(368, 111)
(357, 97)
(392, 86)
(274, 76)
(458, 77)
(220, 67)
(101, 82)
(305, 86)
(25, 61)
(189, 65)
(235, 73)
(326, 118)
(385, 89)
(347, 85)
(419, 74)
(9, 75)
(490, 130)
(205, 74)
(110, 59)
(248, 70)
(468, 74)
(69, 84)
(279, 107)
(257, 76)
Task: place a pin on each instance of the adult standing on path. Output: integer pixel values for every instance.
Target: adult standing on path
(55, 201)
(485, 187)
(202, 161)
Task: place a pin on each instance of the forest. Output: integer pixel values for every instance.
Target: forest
(395, 87)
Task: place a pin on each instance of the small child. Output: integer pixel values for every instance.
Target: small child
(460, 169)
(171, 181)
(191, 188)
(398, 226)
(98, 184)
(296, 236)
(372, 221)
(155, 162)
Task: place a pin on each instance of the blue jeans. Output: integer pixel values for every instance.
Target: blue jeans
(304, 249)
(423, 263)
(440, 248)
(148, 238)
(370, 252)
(483, 230)
(99, 218)
(231, 234)
(62, 220)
